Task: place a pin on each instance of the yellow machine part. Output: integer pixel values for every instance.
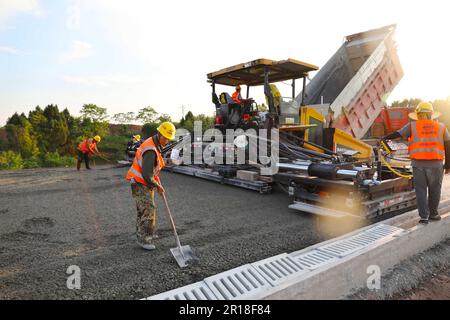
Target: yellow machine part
(276, 96)
(310, 116)
(343, 140)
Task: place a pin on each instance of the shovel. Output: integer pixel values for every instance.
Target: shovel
(182, 254)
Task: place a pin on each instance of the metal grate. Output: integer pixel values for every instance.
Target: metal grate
(279, 268)
(345, 247)
(314, 259)
(196, 291)
(310, 208)
(238, 283)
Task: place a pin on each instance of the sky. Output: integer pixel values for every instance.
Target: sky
(125, 55)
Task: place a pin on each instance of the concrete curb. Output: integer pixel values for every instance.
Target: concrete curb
(333, 269)
(346, 276)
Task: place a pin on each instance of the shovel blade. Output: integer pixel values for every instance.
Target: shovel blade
(183, 255)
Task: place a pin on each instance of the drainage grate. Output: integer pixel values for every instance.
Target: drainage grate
(239, 283)
(314, 259)
(345, 247)
(279, 268)
(196, 291)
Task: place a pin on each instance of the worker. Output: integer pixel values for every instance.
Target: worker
(144, 178)
(133, 145)
(86, 148)
(237, 98)
(429, 144)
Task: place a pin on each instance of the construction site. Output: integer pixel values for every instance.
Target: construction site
(301, 199)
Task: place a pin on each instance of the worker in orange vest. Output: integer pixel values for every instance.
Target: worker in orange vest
(237, 98)
(429, 145)
(144, 178)
(85, 149)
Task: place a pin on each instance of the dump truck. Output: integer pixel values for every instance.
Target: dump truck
(357, 80)
(389, 121)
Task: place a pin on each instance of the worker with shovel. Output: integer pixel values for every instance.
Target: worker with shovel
(429, 145)
(86, 148)
(144, 178)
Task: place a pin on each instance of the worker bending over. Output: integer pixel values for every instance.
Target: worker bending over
(429, 144)
(85, 149)
(144, 178)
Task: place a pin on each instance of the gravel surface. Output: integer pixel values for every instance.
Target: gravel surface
(55, 218)
(423, 276)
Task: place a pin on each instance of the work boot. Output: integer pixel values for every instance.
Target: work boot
(147, 246)
(435, 218)
(423, 221)
(147, 243)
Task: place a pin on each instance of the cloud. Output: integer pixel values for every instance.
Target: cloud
(10, 8)
(9, 50)
(78, 50)
(102, 80)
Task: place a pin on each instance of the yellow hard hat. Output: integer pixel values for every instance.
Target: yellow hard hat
(424, 107)
(97, 138)
(137, 137)
(167, 130)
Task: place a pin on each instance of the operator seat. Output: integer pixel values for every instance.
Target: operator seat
(230, 111)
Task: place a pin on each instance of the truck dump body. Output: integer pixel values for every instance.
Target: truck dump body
(357, 80)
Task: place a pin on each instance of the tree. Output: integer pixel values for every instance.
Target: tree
(94, 120)
(93, 112)
(164, 117)
(188, 121)
(75, 131)
(124, 118)
(39, 122)
(55, 131)
(406, 103)
(21, 140)
(147, 115)
(17, 119)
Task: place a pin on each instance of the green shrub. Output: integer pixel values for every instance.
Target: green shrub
(114, 146)
(31, 163)
(67, 161)
(10, 160)
(53, 160)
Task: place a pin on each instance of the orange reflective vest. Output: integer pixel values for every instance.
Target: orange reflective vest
(136, 168)
(236, 97)
(427, 140)
(87, 146)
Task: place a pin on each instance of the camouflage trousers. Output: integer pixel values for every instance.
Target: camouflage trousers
(146, 212)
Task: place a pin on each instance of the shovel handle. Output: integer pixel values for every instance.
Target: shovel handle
(171, 220)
